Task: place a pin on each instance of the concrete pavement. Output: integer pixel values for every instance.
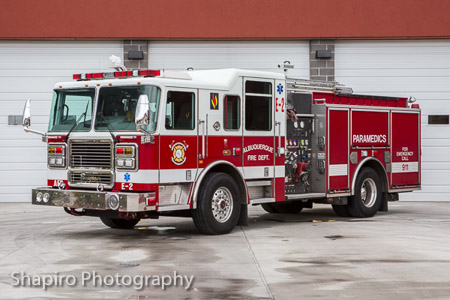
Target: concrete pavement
(402, 254)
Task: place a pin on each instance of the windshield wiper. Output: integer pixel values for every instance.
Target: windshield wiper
(73, 127)
(76, 122)
(107, 123)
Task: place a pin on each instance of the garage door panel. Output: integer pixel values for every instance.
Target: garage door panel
(23, 166)
(29, 70)
(435, 132)
(25, 178)
(436, 165)
(428, 142)
(29, 154)
(265, 56)
(407, 68)
(396, 84)
(382, 72)
(16, 197)
(436, 154)
(39, 109)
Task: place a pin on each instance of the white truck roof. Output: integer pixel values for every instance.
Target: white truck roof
(220, 79)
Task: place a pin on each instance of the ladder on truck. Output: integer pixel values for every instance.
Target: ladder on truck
(302, 85)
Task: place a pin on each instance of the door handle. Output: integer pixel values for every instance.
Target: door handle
(280, 149)
(202, 125)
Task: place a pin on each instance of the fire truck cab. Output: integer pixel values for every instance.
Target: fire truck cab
(129, 145)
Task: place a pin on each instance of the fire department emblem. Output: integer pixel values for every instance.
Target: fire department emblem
(178, 152)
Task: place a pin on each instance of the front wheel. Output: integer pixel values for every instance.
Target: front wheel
(367, 199)
(119, 223)
(218, 205)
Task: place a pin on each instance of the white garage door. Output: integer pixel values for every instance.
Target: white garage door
(264, 56)
(29, 70)
(407, 68)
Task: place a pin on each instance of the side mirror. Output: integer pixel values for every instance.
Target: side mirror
(26, 116)
(26, 121)
(141, 116)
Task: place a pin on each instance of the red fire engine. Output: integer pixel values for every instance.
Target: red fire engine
(129, 145)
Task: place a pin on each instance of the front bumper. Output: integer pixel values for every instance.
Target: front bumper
(128, 202)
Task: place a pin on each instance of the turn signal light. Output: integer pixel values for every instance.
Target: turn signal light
(55, 150)
(124, 151)
(150, 200)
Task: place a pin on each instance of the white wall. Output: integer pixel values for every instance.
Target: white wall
(263, 56)
(29, 70)
(407, 68)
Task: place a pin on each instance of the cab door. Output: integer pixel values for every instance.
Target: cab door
(259, 128)
(179, 137)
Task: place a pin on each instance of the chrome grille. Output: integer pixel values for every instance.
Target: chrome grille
(91, 177)
(91, 154)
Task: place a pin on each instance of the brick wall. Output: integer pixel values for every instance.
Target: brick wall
(135, 45)
(321, 68)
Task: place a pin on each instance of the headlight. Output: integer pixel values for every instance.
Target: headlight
(126, 156)
(56, 155)
(46, 197)
(39, 197)
(113, 201)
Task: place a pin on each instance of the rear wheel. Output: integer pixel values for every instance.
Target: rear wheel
(119, 223)
(218, 205)
(341, 210)
(367, 199)
(283, 208)
(269, 207)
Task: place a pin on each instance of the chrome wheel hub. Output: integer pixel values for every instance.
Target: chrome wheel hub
(368, 192)
(222, 204)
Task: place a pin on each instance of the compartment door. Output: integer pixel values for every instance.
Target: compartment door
(338, 150)
(405, 149)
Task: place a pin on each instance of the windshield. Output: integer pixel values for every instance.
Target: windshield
(117, 106)
(68, 106)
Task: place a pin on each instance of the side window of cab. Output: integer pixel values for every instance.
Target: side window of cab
(180, 110)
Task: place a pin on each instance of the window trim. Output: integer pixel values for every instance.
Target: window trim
(94, 107)
(271, 96)
(126, 85)
(193, 109)
(225, 111)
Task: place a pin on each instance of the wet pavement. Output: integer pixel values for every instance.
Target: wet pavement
(402, 254)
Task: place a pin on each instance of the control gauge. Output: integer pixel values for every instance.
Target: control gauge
(295, 124)
(302, 124)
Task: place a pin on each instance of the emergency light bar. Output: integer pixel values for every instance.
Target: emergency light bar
(120, 74)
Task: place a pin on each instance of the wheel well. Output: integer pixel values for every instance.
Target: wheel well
(227, 169)
(378, 168)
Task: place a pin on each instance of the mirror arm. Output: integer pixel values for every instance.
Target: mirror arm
(149, 138)
(43, 134)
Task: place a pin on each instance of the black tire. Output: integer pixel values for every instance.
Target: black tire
(119, 223)
(367, 199)
(218, 192)
(283, 208)
(289, 208)
(269, 207)
(341, 210)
